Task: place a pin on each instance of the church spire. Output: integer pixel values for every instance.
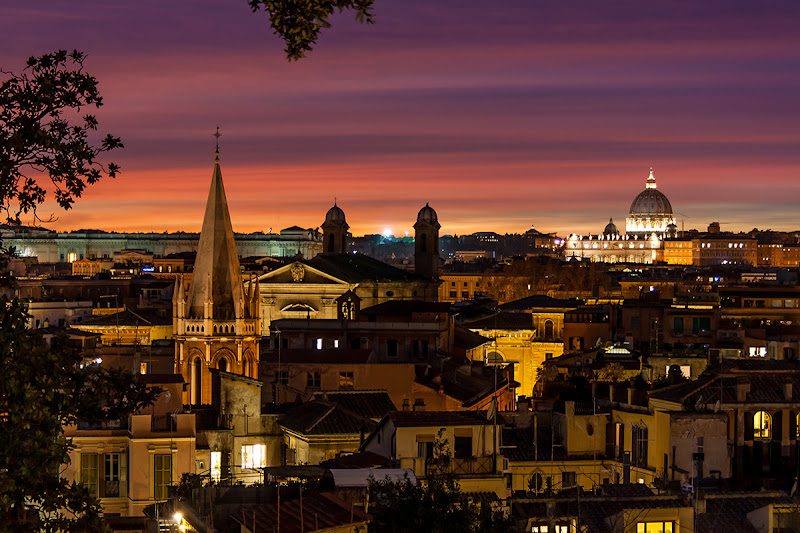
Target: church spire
(217, 275)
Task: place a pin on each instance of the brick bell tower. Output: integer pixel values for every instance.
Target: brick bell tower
(217, 324)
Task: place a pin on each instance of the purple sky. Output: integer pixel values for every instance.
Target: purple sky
(500, 114)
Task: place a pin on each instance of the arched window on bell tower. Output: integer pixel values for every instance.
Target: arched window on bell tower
(196, 379)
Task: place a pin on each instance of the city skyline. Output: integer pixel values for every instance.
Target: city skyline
(501, 117)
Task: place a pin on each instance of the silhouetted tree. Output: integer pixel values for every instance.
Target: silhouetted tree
(44, 388)
(298, 23)
(44, 137)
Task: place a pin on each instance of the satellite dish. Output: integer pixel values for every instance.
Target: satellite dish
(716, 407)
(699, 403)
(167, 396)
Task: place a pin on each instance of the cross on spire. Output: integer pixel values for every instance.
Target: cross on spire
(217, 135)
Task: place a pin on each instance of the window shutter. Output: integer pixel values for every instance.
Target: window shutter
(748, 425)
(610, 441)
(792, 426)
(123, 475)
(777, 425)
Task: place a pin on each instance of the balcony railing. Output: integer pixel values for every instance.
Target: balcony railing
(463, 466)
(104, 425)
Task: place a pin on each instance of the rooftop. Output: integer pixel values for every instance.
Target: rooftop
(438, 418)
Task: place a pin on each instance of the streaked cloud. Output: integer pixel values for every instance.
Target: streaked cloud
(500, 115)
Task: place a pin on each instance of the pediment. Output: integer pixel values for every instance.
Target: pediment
(298, 273)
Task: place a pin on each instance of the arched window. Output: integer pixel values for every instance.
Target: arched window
(535, 483)
(196, 383)
(222, 364)
(762, 425)
(494, 358)
(548, 330)
(423, 242)
(639, 446)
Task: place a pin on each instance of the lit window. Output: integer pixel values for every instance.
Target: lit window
(556, 529)
(216, 466)
(254, 456)
(319, 343)
(762, 425)
(758, 351)
(655, 527)
(335, 343)
(346, 381)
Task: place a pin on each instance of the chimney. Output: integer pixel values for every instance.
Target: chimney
(406, 405)
(742, 390)
(787, 391)
(419, 404)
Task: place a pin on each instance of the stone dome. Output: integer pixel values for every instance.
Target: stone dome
(651, 202)
(335, 214)
(650, 212)
(611, 228)
(672, 230)
(427, 214)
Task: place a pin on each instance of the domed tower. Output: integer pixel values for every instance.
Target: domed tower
(650, 211)
(611, 228)
(672, 231)
(334, 231)
(426, 243)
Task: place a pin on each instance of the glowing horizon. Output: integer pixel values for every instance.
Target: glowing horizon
(502, 117)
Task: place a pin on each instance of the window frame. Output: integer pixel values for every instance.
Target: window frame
(762, 425)
(162, 475)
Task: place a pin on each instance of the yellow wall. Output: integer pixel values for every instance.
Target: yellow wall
(678, 252)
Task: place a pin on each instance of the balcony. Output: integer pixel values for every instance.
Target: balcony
(163, 424)
(467, 466)
(102, 425)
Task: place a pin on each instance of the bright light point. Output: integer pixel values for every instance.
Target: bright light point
(387, 232)
(178, 517)
(406, 233)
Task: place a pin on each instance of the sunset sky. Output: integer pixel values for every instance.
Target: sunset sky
(501, 114)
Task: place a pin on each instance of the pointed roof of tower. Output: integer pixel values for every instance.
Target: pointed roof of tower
(217, 275)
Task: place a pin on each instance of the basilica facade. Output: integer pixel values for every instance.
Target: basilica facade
(649, 222)
(339, 282)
